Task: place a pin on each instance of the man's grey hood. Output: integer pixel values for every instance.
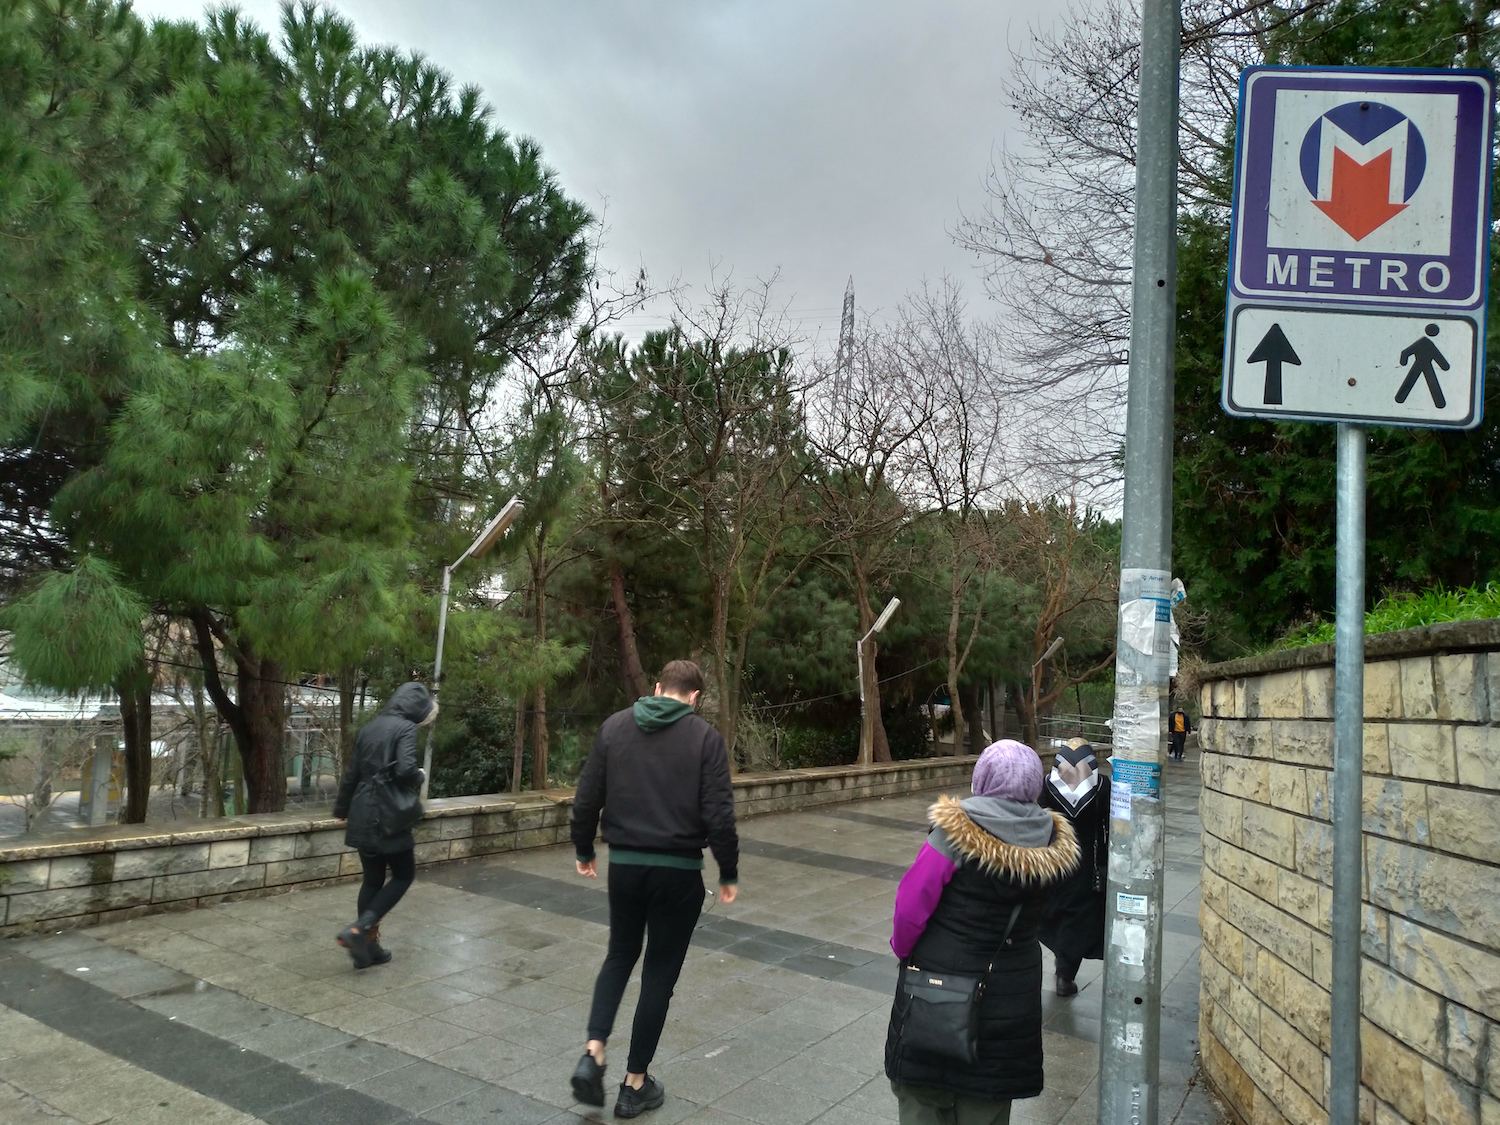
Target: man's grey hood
(411, 701)
(1024, 824)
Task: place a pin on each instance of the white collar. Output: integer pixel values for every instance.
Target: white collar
(1068, 793)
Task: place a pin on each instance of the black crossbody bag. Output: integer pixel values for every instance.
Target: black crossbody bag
(397, 807)
(942, 1009)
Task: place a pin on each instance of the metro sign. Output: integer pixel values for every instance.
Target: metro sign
(1360, 246)
(1362, 186)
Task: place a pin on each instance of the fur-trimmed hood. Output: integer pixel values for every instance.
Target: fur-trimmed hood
(965, 839)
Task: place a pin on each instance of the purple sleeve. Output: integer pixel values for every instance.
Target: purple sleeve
(917, 897)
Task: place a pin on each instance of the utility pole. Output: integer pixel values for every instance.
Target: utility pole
(1130, 1038)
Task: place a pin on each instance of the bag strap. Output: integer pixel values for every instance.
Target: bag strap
(1009, 926)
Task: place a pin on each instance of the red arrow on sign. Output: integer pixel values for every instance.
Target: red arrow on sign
(1361, 194)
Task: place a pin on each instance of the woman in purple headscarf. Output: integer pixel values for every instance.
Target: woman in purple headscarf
(986, 856)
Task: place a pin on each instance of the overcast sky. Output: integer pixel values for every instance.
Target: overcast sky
(813, 140)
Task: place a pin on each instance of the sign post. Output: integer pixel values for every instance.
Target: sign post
(1357, 287)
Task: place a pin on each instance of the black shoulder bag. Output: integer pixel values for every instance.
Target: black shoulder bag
(942, 1009)
(397, 807)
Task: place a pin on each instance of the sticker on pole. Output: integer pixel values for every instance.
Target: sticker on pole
(1359, 246)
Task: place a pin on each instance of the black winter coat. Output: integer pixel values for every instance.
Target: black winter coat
(1073, 923)
(389, 738)
(962, 936)
(666, 791)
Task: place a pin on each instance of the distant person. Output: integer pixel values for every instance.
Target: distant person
(970, 905)
(1180, 727)
(658, 776)
(1073, 924)
(388, 857)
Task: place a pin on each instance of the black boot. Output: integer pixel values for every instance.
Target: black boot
(356, 939)
(1067, 987)
(379, 954)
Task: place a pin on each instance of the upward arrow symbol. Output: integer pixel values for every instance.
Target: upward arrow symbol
(1273, 351)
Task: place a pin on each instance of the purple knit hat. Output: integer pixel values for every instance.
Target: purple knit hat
(1008, 769)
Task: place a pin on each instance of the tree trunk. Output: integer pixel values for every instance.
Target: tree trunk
(257, 719)
(539, 745)
(518, 749)
(874, 724)
(636, 682)
(955, 607)
(346, 719)
(724, 673)
(976, 728)
(539, 738)
(135, 719)
(262, 702)
(212, 801)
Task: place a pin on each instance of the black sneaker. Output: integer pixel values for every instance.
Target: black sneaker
(588, 1081)
(1067, 987)
(632, 1103)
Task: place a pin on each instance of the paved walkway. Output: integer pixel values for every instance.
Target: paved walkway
(248, 1012)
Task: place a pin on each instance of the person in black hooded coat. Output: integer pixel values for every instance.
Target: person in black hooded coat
(1073, 924)
(389, 739)
(986, 855)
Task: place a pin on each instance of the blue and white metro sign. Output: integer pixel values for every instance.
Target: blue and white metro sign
(1360, 246)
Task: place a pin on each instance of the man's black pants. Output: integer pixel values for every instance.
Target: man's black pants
(661, 905)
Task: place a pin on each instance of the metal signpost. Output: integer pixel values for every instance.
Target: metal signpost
(1357, 288)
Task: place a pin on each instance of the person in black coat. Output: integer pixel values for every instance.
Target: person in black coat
(985, 855)
(1073, 925)
(389, 739)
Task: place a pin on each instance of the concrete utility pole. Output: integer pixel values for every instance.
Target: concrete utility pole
(1130, 1038)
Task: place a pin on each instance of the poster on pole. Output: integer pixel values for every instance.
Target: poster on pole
(1359, 253)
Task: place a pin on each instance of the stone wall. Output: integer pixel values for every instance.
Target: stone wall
(111, 874)
(1431, 939)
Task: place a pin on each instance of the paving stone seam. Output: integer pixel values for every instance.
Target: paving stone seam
(79, 1019)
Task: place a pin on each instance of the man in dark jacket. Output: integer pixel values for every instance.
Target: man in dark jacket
(658, 777)
(389, 739)
(1179, 728)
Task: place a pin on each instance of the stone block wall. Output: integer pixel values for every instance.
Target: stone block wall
(115, 873)
(1431, 938)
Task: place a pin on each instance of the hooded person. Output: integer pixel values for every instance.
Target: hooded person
(1073, 924)
(388, 858)
(991, 861)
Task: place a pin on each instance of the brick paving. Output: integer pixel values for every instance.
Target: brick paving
(248, 1012)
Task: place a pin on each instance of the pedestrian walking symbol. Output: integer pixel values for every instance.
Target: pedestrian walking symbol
(1422, 355)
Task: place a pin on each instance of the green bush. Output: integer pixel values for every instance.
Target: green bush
(805, 746)
(1409, 611)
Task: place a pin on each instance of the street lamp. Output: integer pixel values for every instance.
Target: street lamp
(481, 545)
(866, 723)
(1057, 643)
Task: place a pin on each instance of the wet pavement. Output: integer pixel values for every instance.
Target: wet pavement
(249, 1012)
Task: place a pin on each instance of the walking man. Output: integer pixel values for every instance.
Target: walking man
(658, 777)
(1181, 727)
